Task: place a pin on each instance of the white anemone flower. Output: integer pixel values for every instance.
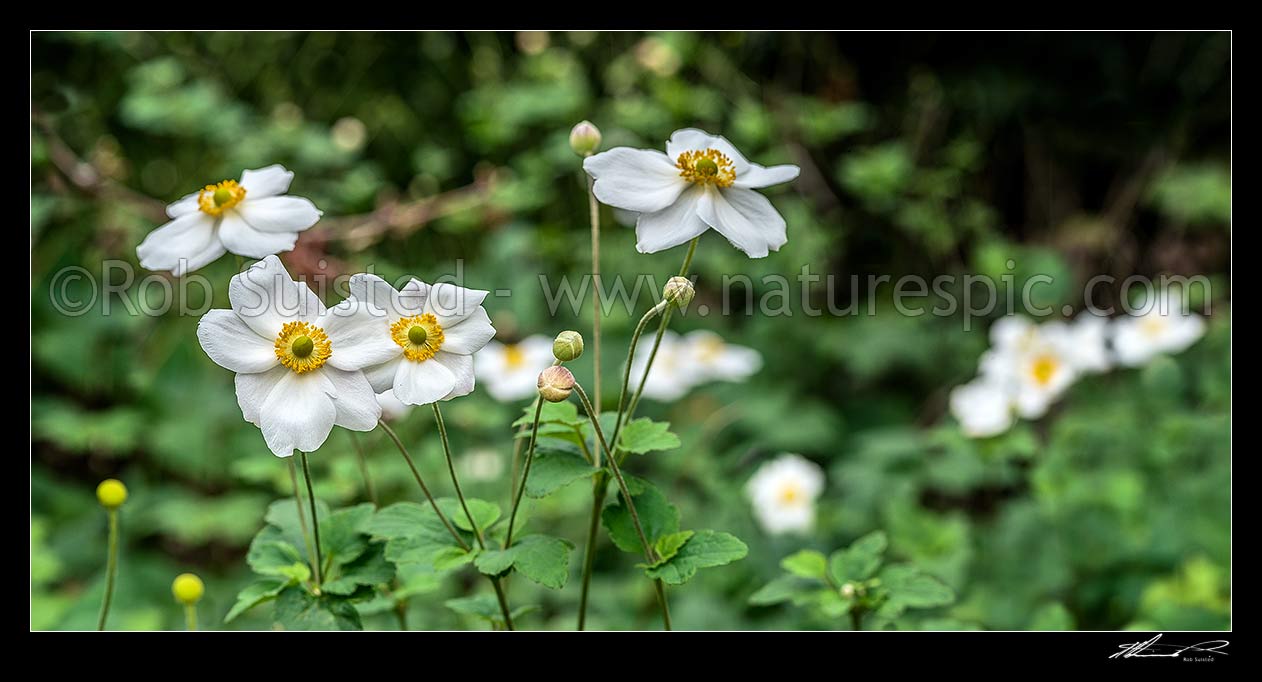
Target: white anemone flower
(783, 492)
(1164, 327)
(673, 373)
(434, 330)
(983, 407)
(1084, 341)
(715, 359)
(1036, 371)
(510, 371)
(298, 364)
(391, 407)
(250, 218)
(701, 182)
(482, 465)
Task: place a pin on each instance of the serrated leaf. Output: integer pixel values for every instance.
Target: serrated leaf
(911, 587)
(706, 549)
(556, 466)
(494, 561)
(451, 557)
(270, 553)
(296, 609)
(484, 514)
(668, 545)
(257, 592)
(344, 533)
(781, 589)
(860, 560)
(371, 568)
(806, 564)
(485, 606)
(416, 535)
(658, 517)
(540, 558)
(283, 514)
(565, 413)
(645, 435)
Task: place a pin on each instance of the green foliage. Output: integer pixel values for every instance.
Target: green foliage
(645, 435)
(540, 558)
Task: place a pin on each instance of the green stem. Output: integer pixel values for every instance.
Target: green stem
(649, 554)
(190, 617)
(626, 371)
(521, 487)
(111, 570)
(315, 520)
(599, 487)
(856, 620)
(595, 220)
(302, 517)
(363, 468)
(661, 331)
(416, 474)
(401, 613)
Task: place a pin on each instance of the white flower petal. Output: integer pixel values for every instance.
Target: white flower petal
(983, 408)
(450, 303)
(469, 335)
(635, 179)
(266, 182)
(381, 377)
(674, 225)
(356, 403)
(692, 139)
(180, 246)
(238, 237)
(378, 293)
(184, 205)
(359, 333)
(746, 218)
(412, 297)
(234, 345)
(298, 413)
(421, 383)
(391, 407)
(265, 297)
(760, 176)
(253, 389)
(461, 367)
(279, 214)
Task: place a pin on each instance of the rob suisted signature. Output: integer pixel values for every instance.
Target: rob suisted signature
(1153, 649)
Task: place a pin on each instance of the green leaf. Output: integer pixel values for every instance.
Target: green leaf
(911, 587)
(860, 560)
(485, 606)
(484, 514)
(451, 557)
(494, 561)
(283, 514)
(254, 594)
(416, 534)
(565, 413)
(556, 466)
(705, 549)
(781, 589)
(806, 564)
(541, 558)
(645, 435)
(344, 533)
(271, 554)
(296, 609)
(668, 545)
(371, 569)
(657, 516)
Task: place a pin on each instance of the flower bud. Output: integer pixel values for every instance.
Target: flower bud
(111, 493)
(679, 291)
(187, 588)
(848, 591)
(568, 346)
(555, 384)
(584, 138)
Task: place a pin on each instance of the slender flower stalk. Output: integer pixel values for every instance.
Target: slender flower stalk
(416, 474)
(657, 341)
(649, 554)
(521, 487)
(599, 487)
(190, 617)
(188, 589)
(661, 307)
(363, 468)
(111, 493)
(302, 516)
(595, 220)
(315, 521)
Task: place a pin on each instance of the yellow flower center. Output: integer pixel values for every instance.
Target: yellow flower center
(710, 349)
(790, 494)
(420, 336)
(1153, 326)
(707, 167)
(302, 347)
(514, 357)
(215, 199)
(1044, 368)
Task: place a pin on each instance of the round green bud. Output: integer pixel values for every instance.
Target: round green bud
(111, 493)
(584, 138)
(555, 384)
(417, 334)
(187, 588)
(222, 196)
(302, 346)
(567, 346)
(706, 166)
(678, 291)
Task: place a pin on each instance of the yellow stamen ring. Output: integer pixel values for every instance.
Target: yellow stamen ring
(420, 336)
(215, 199)
(706, 167)
(1043, 369)
(302, 347)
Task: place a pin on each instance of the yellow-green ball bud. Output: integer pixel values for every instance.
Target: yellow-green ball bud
(187, 588)
(111, 493)
(568, 346)
(679, 291)
(584, 138)
(555, 384)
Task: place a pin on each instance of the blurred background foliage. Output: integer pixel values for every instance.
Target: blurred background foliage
(1068, 154)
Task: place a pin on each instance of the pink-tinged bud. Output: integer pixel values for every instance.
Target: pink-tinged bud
(555, 384)
(585, 138)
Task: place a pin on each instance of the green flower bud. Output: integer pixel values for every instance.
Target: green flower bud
(111, 493)
(679, 291)
(584, 138)
(187, 588)
(568, 346)
(555, 384)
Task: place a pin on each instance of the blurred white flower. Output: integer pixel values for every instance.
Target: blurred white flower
(1165, 327)
(1031, 366)
(714, 359)
(298, 364)
(983, 408)
(701, 182)
(482, 465)
(783, 492)
(673, 373)
(1083, 342)
(250, 218)
(510, 371)
(434, 330)
(391, 407)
